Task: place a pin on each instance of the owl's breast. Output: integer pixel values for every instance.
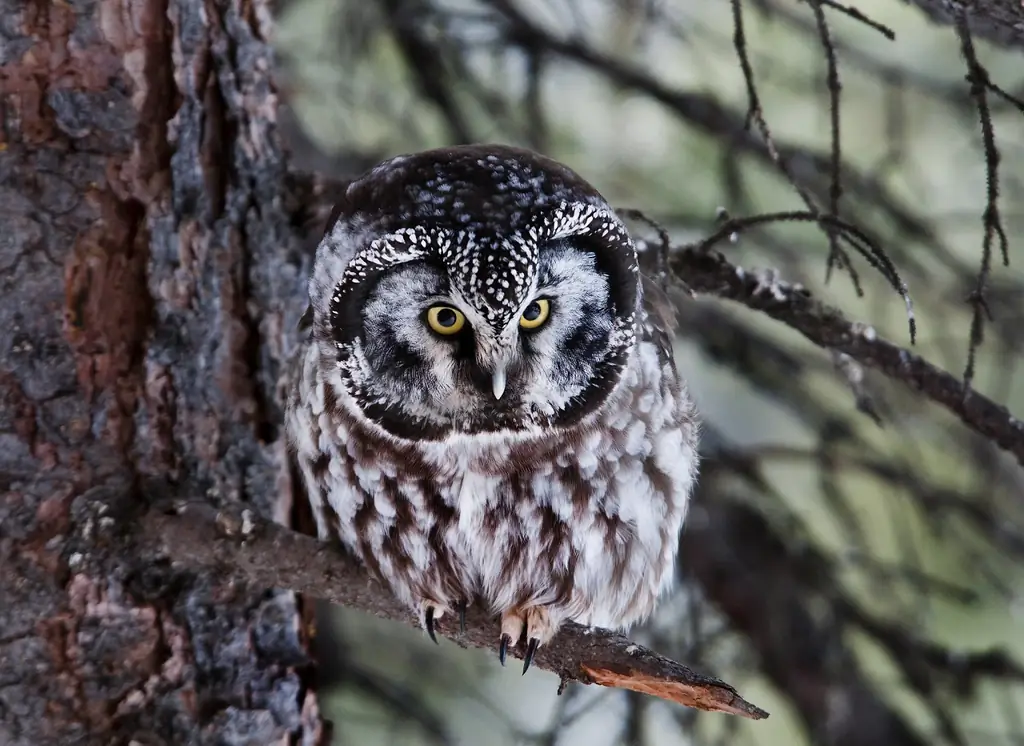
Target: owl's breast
(583, 520)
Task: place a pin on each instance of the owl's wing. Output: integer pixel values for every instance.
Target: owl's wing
(313, 226)
(661, 310)
(661, 322)
(305, 325)
(658, 305)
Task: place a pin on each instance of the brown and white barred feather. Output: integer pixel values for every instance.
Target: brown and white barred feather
(579, 520)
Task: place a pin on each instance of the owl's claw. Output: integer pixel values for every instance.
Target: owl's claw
(430, 613)
(429, 624)
(503, 648)
(531, 650)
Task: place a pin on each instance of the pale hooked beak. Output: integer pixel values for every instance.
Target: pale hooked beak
(498, 381)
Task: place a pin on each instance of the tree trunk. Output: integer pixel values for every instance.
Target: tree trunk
(150, 274)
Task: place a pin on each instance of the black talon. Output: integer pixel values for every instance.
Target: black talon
(531, 650)
(462, 617)
(503, 648)
(430, 624)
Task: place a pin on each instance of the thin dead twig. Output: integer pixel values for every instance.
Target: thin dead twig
(834, 97)
(857, 15)
(755, 115)
(977, 76)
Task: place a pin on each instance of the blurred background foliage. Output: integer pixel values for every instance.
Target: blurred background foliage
(898, 533)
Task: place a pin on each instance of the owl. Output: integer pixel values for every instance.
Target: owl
(485, 407)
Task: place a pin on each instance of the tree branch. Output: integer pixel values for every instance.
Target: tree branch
(711, 273)
(235, 544)
(998, 21)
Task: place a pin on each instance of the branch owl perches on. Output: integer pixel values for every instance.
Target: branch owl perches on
(239, 547)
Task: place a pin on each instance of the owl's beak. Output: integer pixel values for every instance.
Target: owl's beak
(498, 381)
(495, 355)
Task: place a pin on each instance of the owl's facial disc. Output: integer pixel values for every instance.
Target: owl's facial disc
(430, 360)
(503, 237)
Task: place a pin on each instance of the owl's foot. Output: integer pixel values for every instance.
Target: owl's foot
(535, 622)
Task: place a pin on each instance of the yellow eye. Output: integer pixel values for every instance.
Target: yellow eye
(535, 314)
(445, 320)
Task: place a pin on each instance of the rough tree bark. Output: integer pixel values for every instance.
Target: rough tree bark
(144, 272)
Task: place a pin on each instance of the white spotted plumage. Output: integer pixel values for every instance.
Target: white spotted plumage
(562, 498)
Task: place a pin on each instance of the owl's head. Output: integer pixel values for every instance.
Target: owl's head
(474, 289)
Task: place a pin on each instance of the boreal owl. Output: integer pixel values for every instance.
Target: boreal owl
(486, 407)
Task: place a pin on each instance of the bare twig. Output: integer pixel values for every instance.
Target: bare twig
(755, 114)
(834, 97)
(887, 32)
(234, 544)
(1008, 97)
(977, 76)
